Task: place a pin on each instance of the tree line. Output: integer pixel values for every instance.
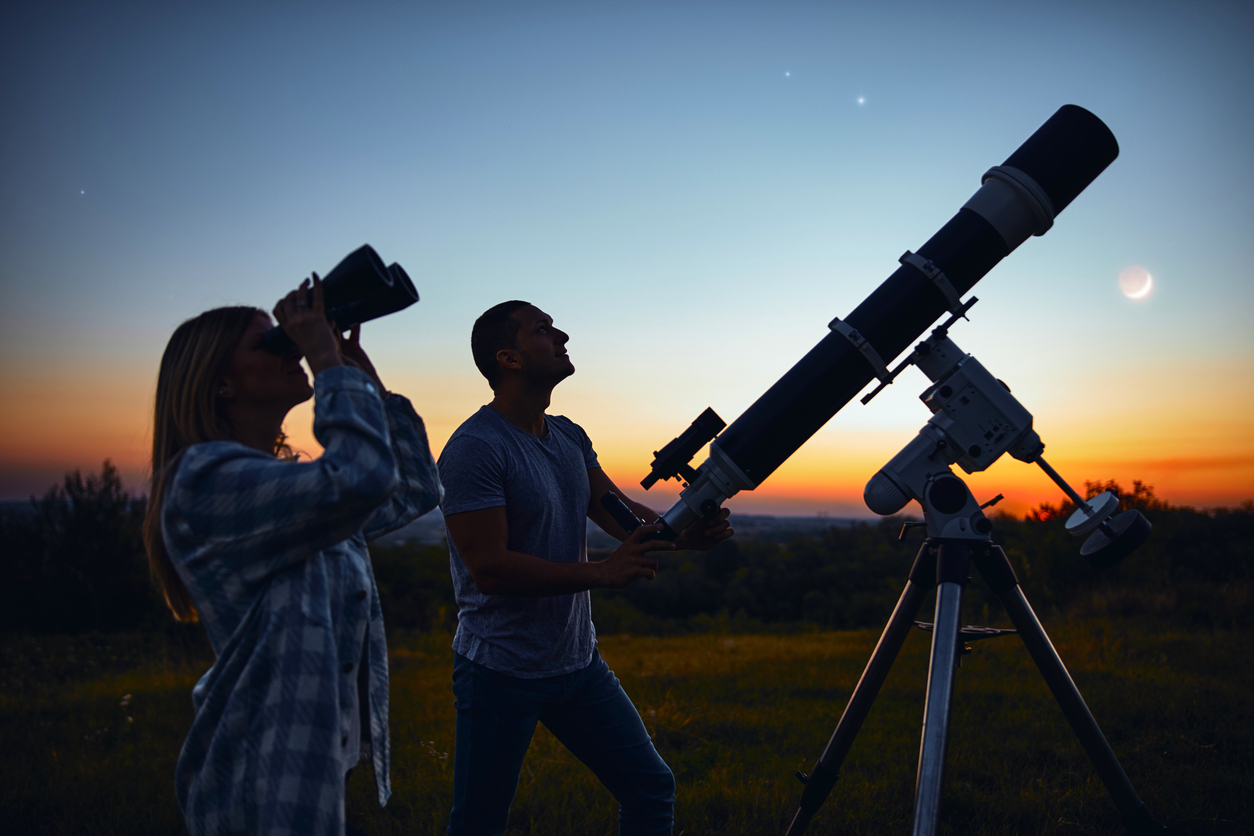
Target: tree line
(73, 562)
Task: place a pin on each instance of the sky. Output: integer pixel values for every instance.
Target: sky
(692, 191)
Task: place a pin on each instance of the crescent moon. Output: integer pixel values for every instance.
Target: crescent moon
(1135, 282)
(1145, 291)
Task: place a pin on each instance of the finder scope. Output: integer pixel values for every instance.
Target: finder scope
(358, 289)
(672, 460)
(1017, 199)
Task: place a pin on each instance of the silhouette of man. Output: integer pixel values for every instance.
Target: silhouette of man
(519, 484)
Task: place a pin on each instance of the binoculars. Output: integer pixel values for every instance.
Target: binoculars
(358, 289)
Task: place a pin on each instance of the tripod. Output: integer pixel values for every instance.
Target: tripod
(944, 563)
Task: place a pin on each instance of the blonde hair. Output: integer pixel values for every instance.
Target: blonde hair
(189, 412)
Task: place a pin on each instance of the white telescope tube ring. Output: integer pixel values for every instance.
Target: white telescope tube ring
(1013, 203)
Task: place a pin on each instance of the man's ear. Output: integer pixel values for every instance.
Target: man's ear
(509, 358)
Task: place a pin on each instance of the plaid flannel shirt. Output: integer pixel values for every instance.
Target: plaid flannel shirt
(274, 555)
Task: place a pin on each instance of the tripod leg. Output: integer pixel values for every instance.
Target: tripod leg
(998, 572)
(827, 769)
(951, 575)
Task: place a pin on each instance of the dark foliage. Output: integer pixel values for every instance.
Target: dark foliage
(1197, 565)
(415, 589)
(844, 577)
(74, 562)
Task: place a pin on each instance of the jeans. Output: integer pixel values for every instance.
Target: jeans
(587, 711)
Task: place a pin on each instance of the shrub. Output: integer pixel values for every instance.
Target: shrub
(74, 561)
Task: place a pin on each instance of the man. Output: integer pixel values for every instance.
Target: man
(519, 485)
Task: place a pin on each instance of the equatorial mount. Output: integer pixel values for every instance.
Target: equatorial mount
(975, 420)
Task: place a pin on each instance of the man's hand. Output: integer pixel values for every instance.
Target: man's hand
(706, 532)
(630, 561)
(482, 536)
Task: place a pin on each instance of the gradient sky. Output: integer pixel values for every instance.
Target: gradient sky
(692, 190)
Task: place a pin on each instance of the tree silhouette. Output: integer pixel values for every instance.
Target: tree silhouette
(75, 560)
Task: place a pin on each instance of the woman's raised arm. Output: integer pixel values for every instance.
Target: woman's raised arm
(240, 515)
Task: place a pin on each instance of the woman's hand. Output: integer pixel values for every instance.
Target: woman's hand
(354, 355)
(302, 315)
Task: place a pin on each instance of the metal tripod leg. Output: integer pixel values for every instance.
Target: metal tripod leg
(998, 572)
(827, 769)
(951, 574)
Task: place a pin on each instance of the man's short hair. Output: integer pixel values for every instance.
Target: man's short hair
(494, 330)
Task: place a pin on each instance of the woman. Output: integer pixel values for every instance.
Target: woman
(270, 554)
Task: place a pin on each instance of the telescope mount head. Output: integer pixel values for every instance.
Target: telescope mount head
(975, 420)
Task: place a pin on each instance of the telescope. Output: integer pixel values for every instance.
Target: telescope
(1016, 200)
(358, 289)
(975, 421)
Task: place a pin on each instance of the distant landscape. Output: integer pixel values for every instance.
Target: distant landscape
(429, 529)
(739, 659)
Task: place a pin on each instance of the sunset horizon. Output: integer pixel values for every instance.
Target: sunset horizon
(824, 478)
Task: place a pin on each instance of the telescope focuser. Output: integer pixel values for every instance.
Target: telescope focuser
(672, 461)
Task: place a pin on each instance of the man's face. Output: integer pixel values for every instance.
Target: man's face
(541, 346)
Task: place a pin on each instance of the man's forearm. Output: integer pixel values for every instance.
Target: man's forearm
(644, 512)
(521, 574)
(611, 526)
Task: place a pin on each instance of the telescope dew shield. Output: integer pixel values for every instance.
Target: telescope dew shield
(1017, 199)
(358, 289)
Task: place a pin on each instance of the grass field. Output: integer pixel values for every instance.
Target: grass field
(92, 728)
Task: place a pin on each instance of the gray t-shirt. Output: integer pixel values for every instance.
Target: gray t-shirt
(543, 484)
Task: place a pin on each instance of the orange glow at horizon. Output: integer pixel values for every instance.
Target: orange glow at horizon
(74, 420)
(823, 484)
(51, 424)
